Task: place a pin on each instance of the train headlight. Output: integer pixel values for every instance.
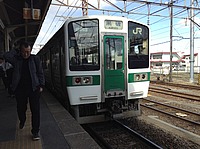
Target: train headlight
(137, 77)
(87, 80)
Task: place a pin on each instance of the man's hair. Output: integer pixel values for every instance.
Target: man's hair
(24, 44)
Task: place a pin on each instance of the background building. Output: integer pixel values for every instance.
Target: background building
(160, 62)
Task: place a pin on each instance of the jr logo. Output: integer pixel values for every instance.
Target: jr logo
(137, 31)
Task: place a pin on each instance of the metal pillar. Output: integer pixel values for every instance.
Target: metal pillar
(191, 43)
(171, 42)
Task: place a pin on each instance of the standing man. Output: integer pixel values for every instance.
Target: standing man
(27, 84)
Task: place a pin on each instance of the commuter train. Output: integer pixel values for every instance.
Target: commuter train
(98, 66)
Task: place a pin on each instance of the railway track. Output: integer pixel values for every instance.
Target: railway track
(194, 87)
(115, 134)
(141, 137)
(178, 113)
(172, 104)
(168, 91)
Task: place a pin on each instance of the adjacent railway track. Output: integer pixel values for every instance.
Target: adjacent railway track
(167, 91)
(194, 87)
(176, 112)
(115, 134)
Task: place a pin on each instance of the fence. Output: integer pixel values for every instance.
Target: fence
(183, 75)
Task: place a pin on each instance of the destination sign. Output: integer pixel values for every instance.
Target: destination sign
(113, 24)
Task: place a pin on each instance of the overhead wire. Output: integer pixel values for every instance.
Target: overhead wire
(180, 12)
(139, 9)
(160, 33)
(54, 28)
(52, 22)
(49, 26)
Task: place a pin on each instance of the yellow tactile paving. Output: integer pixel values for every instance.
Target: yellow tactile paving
(23, 138)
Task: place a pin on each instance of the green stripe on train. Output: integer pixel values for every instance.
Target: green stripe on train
(96, 80)
(131, 78)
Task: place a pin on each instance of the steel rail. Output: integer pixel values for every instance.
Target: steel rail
(198, 114)
(147, 141)
(176, 94)
(177, 85)
(97, 137)
(181, 118)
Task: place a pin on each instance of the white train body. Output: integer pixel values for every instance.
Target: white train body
(99, 65)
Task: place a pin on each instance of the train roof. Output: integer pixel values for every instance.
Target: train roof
(103, 17)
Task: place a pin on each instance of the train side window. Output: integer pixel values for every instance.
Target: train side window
(45, 61)
(55, 59)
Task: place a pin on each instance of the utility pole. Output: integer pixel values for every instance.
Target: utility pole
(191, 42)
(171, 42)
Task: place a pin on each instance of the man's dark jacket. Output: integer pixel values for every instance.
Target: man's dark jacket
(35, 68)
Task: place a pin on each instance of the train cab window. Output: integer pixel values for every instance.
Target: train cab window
(138, 48)
(83, 45)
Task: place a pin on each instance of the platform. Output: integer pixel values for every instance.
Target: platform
(58, 129)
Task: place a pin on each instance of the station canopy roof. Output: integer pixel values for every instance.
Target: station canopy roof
(22, 19)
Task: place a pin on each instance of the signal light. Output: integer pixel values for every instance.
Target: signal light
(77, 80)
(143, 76)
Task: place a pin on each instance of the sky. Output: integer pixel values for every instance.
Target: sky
(158, 21)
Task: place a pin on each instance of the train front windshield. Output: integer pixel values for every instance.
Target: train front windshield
(138, 51)
(83, 45)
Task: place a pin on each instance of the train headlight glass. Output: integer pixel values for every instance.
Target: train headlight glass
(87, 80)
(137, 77)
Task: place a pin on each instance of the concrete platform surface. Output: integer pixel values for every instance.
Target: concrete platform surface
(58, 129)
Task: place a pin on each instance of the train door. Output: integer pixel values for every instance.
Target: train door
(114, 82)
